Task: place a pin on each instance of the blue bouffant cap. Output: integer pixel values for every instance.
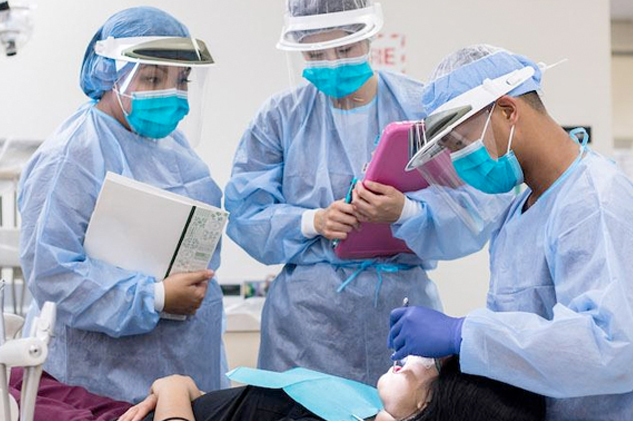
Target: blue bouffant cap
(469, 67)
(98, 73)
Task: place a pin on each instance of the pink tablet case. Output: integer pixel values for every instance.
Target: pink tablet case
(386, 167)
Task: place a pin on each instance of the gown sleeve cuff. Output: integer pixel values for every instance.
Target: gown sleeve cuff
(159, 296)
(410, 209)
(307, 223)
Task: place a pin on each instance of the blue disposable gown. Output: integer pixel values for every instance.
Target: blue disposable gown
(108, 337)
(292, 158)
(560, 307)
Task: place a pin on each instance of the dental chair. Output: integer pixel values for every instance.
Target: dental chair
(30, 353)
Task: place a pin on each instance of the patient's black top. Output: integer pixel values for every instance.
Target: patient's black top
(249, 403)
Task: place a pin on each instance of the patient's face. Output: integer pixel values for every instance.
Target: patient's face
(405, 390)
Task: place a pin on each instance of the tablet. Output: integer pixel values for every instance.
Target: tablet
(387, 166)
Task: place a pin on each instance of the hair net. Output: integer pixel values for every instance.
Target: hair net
(98, 73)
(298, 8)
(461, 58)
(468, 67)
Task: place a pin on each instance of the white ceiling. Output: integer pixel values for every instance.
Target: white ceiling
(622, 9)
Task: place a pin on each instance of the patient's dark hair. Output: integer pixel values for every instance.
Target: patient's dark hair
(534, 100)
(456, 396)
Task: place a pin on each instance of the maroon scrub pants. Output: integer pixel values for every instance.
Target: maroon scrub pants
(59, 402)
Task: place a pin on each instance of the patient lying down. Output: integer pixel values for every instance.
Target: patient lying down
(415, 391)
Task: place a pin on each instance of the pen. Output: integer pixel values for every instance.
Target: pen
(348, 199)
(348, 196)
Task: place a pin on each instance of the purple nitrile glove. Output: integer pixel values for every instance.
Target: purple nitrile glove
(425, 332)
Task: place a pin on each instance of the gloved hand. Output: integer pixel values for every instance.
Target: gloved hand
(424, 332)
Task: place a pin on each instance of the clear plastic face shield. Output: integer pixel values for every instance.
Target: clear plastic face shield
(161, 83)
(16, 26)
(473, 133)
(328, 44)
(458, 152)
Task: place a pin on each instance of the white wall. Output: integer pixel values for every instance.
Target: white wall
(39, 87)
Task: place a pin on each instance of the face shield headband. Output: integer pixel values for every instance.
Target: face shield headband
(368, 21)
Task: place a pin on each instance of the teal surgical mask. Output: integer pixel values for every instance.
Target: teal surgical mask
(339, 78)
(476, 167)
(155, 114)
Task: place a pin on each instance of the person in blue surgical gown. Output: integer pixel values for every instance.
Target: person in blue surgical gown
(559, 316)
(109, 335)
(291, 172)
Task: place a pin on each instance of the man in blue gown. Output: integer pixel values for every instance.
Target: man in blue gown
(559, 316)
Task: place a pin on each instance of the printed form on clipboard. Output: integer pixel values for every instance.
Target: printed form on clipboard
(387, 166)
(143, 228)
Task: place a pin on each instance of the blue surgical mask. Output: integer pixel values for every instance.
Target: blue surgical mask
(338, 78)
(476, 167)
(155, 114)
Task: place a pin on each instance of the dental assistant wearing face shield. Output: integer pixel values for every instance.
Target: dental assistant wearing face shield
(291, 172)
(145, 74)
(559, 316)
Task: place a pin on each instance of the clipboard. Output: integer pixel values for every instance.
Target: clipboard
(387, 166)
